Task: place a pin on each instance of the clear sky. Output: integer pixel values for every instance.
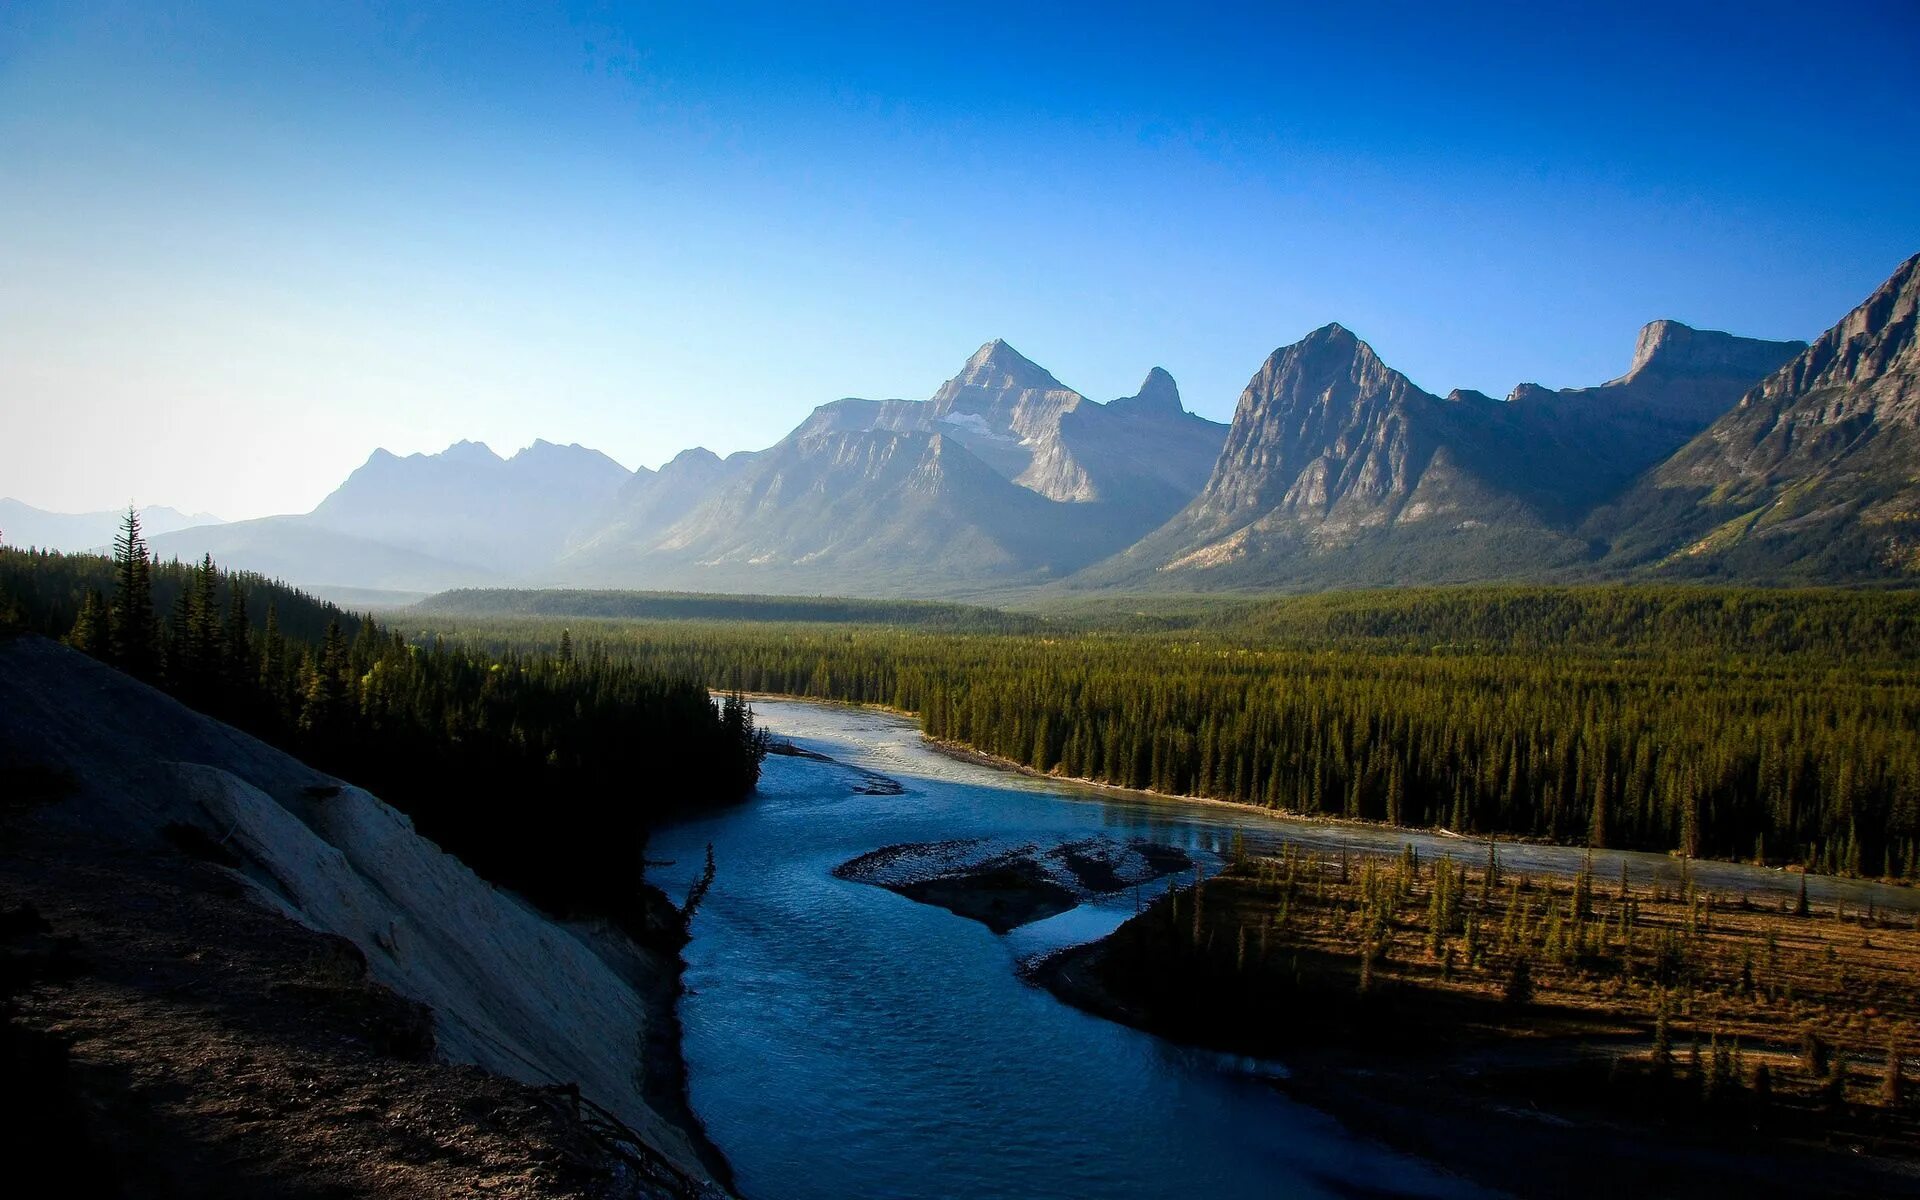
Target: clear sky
(243, 244)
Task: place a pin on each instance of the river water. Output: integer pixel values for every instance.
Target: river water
(844, 1041)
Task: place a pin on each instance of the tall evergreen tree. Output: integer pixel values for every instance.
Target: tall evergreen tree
(92, 632)
(134, 632)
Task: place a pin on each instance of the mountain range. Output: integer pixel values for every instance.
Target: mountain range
(22, 524)
(1712, 456)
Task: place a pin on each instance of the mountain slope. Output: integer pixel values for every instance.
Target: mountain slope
(1005, 475)
(1338, 467)
(317, 558)
(641, 513)
(872, 511)
(466, 504)
(1591, 442)
(1338, 470)
(1813, 475)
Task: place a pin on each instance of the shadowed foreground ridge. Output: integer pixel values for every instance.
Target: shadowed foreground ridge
(269, 979)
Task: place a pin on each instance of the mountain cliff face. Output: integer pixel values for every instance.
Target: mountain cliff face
(1813, 475)
(865, 511)
(1592, 442)
(1005, 475)
(1338, 465)
(1144, 453)
(1338, 469)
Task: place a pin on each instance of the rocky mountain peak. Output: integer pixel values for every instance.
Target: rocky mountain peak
(698, 456)
(1676, 349)
(1329, 363)
(470, 452)
(998, 365)
(1525, 393)
(1159, 396)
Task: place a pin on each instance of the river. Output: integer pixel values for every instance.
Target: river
(843, 1040)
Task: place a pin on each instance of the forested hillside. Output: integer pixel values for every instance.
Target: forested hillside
(543, 770)
(681, 606)
(1777, 726)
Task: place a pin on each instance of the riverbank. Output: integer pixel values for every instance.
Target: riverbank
(1656, 1043)
(1786, 877)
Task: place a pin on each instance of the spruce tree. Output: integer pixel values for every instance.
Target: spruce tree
(91, 632)
(242, 673)
(1892, 1087)
(134, 632)
(1519, 989)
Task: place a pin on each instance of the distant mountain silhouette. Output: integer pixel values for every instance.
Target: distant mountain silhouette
(466, 504)
(24, 525)
(323, 560)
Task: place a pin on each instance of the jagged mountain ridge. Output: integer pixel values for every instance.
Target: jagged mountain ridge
(22, 524)
(873, 510)
(1003, 475)
(1338, 469)
(1021, 421)
(1813, 476)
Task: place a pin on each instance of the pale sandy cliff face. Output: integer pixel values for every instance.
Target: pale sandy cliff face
(511, 989)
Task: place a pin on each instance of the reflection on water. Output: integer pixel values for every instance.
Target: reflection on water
(845, 1041)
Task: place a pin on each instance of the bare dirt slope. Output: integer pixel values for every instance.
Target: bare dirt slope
(270, 983)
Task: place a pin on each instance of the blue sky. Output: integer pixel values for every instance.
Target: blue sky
(244, 244)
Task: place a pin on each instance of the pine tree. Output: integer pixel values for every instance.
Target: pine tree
(1662, 1037)
(92, 632)
(275, 668)
(324, 707)
(134, 632)
(1892, 1087)
(237, 665)
(1519, 989)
